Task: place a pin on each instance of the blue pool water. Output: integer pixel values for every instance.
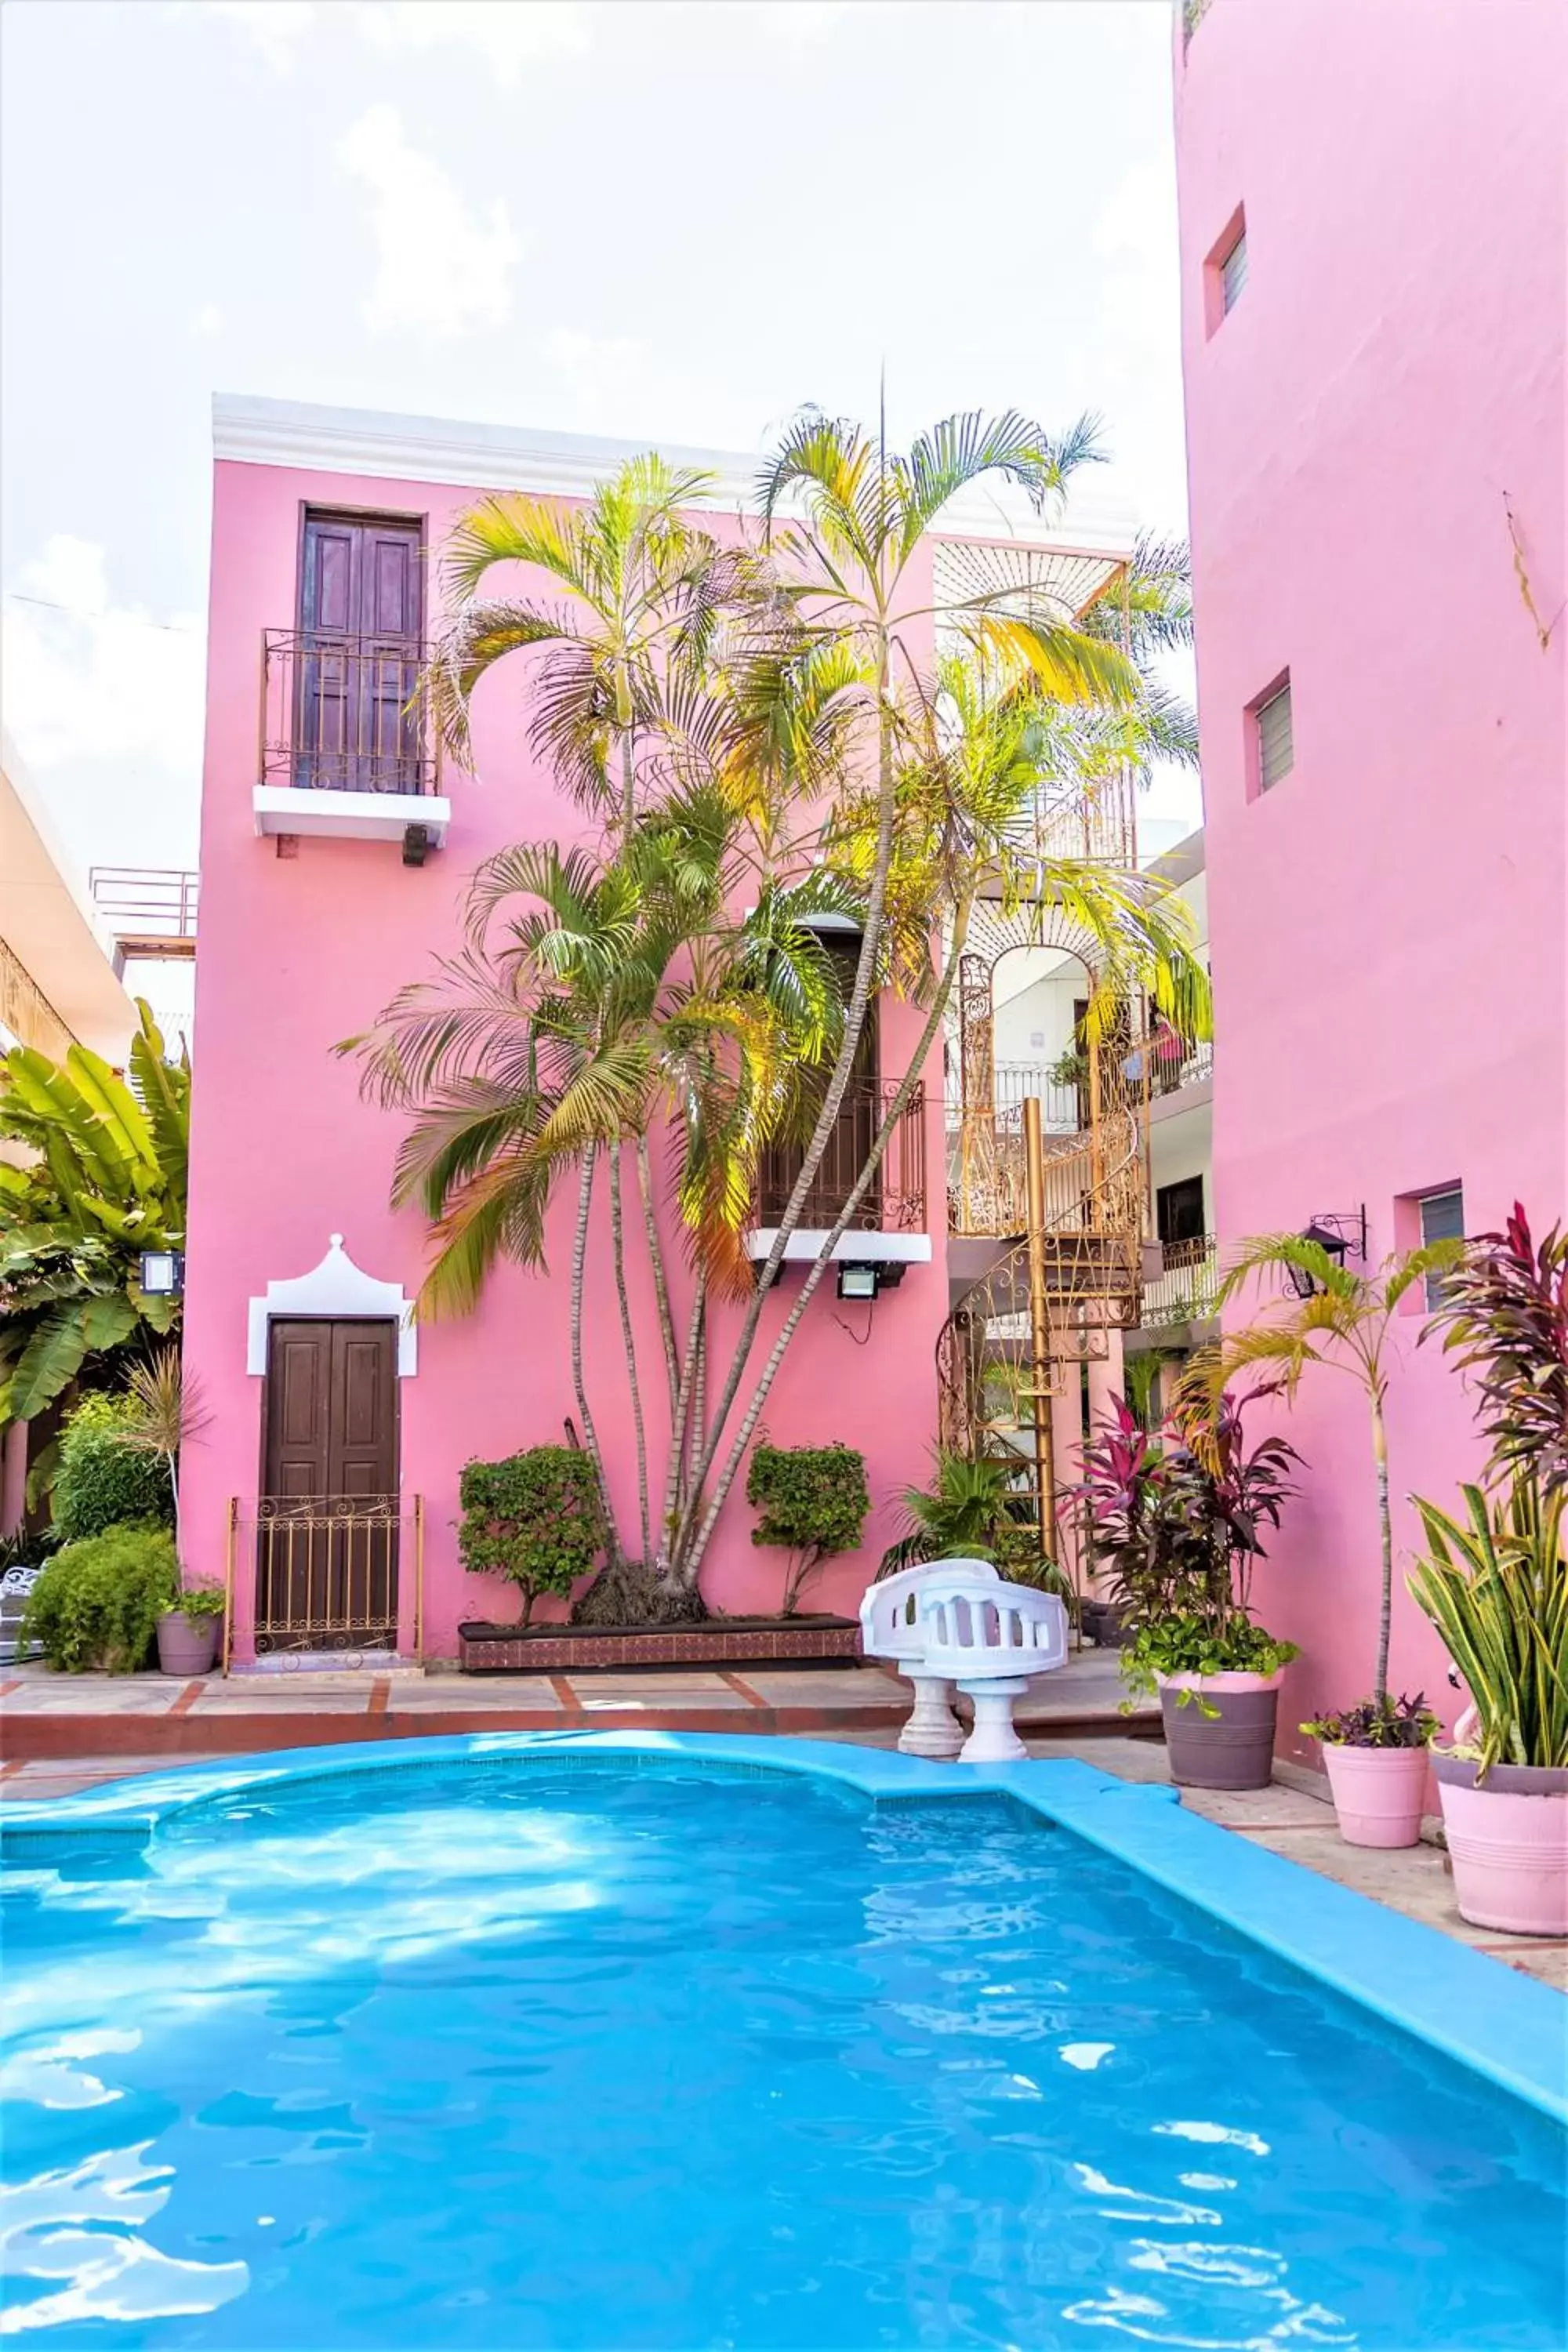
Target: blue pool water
(487, 2056)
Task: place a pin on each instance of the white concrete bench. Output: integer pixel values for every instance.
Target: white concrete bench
(989, 1640)
(891, 1627)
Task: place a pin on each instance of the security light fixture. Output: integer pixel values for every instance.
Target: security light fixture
(858, 1281)
(163, 1273)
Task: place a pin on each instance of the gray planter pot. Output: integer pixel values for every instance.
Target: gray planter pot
(188, 1646)
(1233, 1749)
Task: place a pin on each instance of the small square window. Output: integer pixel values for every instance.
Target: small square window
(1276, 747)
(1233, 274)
(1442, 1219)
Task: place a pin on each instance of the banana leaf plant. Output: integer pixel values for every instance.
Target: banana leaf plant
(105, 1180)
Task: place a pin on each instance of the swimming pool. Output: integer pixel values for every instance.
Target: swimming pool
(533, 2042)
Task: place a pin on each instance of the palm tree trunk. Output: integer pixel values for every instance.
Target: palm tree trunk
(617, 1243)
(853, 1023)
(1385, 1530)
(680, 1417)
(691, 1562)
(656, 1258)
(579, 1386)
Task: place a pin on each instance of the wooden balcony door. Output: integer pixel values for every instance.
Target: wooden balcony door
(360, 622)
(854, 1129)
(326, 1568)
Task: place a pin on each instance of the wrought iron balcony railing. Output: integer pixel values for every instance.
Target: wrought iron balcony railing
(26, 1012)
(895, 1202)
(343, 713)
(1169, 1073)
(1183, 1290)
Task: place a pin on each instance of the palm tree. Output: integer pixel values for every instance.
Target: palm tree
(643, 589)
(106, 1182)
(969, 762)
(599, 997)
(751, 727)
(1344, 1322)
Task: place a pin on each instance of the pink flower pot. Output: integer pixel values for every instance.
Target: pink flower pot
(1379, 1792)
(1508, 1837)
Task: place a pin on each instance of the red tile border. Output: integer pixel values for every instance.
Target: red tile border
(565, 1693)
(186, 1699)
(380, 1692)
(6, 1688)
(752, 1697)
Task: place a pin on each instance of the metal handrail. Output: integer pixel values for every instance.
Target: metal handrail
(895, 1201)
(27, 1012)
(156, 901)
(1185, 1289)
(344, 713)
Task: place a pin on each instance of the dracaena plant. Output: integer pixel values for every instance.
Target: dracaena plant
(1496, 1587)
(1178, 1513)
(1504, 1320)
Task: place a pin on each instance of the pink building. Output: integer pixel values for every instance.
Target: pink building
(329, 877)
(1373, 235)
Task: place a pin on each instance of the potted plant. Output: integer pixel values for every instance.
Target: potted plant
(1177, 1513)
(970, 1511)
(190, 1630)
(1377, 1760)
(1343, 1320)
(1496, 1587)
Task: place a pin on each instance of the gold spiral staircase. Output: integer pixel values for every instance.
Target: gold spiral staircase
(1046, 1222)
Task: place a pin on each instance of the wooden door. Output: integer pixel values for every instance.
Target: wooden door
(327, 1539)
(854, 1130)
(360, 594)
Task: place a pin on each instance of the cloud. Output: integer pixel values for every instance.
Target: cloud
(441, 266)
(86, 678)
(274, 28)
(594, 372)
(508, 34)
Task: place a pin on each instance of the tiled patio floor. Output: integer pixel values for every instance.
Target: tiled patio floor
(149, 1719)
(45, 1716)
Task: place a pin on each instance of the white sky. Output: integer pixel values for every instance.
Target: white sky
(617, 217)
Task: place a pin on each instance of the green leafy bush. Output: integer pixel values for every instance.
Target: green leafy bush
(96, 1606)
(1196, 1645)
(200, 1600)
(101, 1481)
(534, 1517)
(814, 1502)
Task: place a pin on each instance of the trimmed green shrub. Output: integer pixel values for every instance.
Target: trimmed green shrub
(96, 1606)
(534, 1517)
(101, 1481)
(814, 1502)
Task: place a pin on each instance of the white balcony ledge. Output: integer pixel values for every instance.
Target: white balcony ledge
(350, 816)
(859, 1249)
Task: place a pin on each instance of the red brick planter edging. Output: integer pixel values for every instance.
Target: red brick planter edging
(778, 1642)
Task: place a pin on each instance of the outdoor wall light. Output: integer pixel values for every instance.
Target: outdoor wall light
(163, 1273)
(858, 1281)
(1334, 1235)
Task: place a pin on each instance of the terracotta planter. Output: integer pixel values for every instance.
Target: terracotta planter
(1233, 1749)
(1378, 1792)
(1508, 1838)
(188, 1646)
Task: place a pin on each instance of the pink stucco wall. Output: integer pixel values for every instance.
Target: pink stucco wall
(297, 953)
(1388, 921)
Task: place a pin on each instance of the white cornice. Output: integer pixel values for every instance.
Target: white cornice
(370, 443)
